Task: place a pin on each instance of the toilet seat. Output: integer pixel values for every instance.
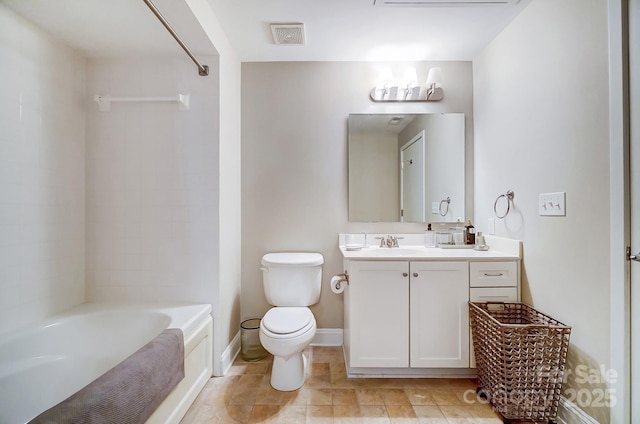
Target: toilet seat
(285, 322)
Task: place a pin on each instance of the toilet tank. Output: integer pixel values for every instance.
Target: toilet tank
(292, 278)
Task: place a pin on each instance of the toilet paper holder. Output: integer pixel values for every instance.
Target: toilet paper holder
(343, 277)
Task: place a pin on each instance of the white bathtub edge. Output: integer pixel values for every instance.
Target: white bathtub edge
(193, 319)
(185, 316)
(198, 366)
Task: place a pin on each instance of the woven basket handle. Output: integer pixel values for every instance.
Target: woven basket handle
(494, 305)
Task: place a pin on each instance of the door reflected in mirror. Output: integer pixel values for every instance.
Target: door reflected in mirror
(406, 167)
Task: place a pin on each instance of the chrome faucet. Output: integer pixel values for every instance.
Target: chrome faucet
(390, 241)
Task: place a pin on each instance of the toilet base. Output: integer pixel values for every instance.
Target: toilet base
(288, 373)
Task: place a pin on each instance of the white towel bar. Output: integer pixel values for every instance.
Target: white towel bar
(104, 101)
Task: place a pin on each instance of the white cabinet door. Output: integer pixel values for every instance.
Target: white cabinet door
(378, 314)
(439, 311)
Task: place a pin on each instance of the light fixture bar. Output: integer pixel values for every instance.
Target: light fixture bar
(408, 90)
(419, 94)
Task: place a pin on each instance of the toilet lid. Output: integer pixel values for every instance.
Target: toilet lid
(292, 259)
(286, 320)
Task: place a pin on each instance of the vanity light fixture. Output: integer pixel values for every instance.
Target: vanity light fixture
(384, 85)
(408, 90)
(434, 82)
(410, 81)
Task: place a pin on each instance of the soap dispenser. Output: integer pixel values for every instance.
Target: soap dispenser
(429, 237)
(469, 233)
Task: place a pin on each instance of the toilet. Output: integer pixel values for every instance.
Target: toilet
(292, 282)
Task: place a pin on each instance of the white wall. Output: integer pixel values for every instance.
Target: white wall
(620, 295)
(226, 318)
(152, 183)
(294, 161)
(541, 125)
(41, 173)
(624, 46)
(444, 177)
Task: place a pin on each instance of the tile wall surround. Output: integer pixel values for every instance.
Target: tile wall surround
(101, 206)
(42, 173)
(152, 183)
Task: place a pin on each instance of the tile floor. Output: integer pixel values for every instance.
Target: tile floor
(244, 395)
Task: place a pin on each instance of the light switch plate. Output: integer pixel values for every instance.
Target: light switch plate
(434, 207)
(491, 226)
(552, 204)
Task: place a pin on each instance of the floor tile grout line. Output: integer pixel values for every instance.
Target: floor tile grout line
(330, 374)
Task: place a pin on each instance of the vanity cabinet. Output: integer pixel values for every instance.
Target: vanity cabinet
(377, 320)
(407, 314)
(406, 310)
(413, 316)
(439, 314)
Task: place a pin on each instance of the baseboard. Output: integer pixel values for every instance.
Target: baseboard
(569, 413)
(323, 337)
(327, 337)
(230, 353)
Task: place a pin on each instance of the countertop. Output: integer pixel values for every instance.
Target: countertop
(499, 249)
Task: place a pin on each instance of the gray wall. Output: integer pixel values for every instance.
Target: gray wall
(373, 162)
(294, 161)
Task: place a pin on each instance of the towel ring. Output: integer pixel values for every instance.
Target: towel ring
(446, 202)
(509, 197)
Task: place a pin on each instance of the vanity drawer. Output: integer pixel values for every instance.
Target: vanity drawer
(494, 294)
(493, 274)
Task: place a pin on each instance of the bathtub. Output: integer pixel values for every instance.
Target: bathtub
(46, 362)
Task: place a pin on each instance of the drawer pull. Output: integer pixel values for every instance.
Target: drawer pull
(499, 274)
(404, 274)
(493, 297)
(415, 274)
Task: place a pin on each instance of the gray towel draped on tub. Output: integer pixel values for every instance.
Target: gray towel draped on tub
(129, 392)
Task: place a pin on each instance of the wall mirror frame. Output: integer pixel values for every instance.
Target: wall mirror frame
(407, 167)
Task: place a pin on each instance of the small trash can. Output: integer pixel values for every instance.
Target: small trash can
(251, 349)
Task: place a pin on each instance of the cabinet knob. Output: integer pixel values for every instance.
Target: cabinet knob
(415, 274)
(404, 274)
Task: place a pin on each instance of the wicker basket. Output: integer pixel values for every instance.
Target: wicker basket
(520, 358)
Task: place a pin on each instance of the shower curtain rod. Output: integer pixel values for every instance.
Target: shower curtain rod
(203, 70)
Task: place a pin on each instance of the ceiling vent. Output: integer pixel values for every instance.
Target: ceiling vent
(437, 3)
(288, 34)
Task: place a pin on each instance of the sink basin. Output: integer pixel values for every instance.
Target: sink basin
(395, 251)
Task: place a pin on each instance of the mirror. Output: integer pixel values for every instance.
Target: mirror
(406, 167)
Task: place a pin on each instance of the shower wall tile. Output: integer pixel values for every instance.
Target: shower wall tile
(152, 183)
(42, 182)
